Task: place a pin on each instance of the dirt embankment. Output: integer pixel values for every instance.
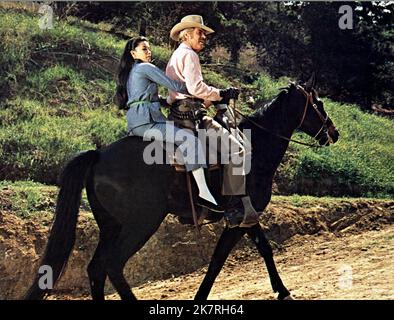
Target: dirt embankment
(174, 250)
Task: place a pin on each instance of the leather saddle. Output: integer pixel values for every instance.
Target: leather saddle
(187, 114)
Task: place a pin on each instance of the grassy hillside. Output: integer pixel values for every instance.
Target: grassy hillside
(361, 163)
(27, 199)
(56, 100)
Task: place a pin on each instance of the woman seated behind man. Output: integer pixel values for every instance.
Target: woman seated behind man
(137, 89)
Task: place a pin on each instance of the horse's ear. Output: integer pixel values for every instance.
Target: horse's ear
(311, 82)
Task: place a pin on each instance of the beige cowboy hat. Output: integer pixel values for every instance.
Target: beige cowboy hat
(191, 21)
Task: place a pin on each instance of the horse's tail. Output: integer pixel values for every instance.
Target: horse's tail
(62, 236)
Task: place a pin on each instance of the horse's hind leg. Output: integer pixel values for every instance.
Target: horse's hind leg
(264, 248)
(108, 260)
(132, 238)
(118, 254)
(97, 274)
(226, 243)
(109, 232)
(113, 250)
(97, 266)
(115, 274)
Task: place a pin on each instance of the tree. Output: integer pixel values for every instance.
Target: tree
(290, 38)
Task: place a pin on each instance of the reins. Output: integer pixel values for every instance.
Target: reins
(309, 98)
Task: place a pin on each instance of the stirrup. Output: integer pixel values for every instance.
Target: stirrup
(209, 205)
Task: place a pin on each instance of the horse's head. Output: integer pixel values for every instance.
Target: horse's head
(314, 120)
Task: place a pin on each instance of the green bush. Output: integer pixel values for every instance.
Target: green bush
(215, 79)
(160, 56)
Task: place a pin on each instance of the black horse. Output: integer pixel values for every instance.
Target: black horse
(129, 199)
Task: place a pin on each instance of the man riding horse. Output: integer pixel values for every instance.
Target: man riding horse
(184, 66)
(130, 198)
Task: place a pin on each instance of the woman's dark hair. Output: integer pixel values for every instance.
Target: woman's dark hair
(125, 65)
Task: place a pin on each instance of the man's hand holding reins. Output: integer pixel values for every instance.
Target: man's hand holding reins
(229, 93)
(200, 113)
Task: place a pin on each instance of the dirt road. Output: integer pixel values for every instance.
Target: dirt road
(325, 266)
(324, 249)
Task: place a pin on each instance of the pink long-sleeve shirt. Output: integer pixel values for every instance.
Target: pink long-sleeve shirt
(184, 66)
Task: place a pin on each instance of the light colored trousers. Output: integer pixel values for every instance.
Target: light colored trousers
(234, 150)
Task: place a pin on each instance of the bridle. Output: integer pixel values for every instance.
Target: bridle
(309, 101)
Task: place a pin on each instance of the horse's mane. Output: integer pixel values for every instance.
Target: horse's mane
(275, 103)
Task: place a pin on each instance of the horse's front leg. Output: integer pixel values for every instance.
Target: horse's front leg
(262, 244)
(226, 243)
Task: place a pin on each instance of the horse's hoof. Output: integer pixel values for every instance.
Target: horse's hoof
(289, 297)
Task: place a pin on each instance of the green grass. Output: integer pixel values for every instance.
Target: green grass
(44, 81)
(65, 84)
(38, 148)
(267, 88)
(19, 109)
(59, 101)
(28, 198)
(161, 55)
(216, 79)
(306, 201)
(58, 86)
(33, 61)
(362, 159)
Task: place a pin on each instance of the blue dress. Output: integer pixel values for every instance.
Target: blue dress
(145, 119)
